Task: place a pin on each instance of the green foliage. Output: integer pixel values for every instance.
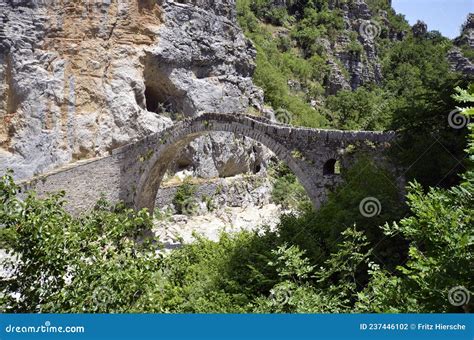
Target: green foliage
(363, 108)
(264, 9)
(287, 190)
(468, 52)
(246, 17)
(440, 254)
(209, 276)
(414, 96)
(277, 65)
(318, 232)
(332, 286)
(274, 82)
(355, 47)
(301, 57)
(331, 260)
(317, 24)
(59, 263)
(418, 76)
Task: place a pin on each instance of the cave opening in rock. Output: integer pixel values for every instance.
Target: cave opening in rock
(154, 102)
(161, 95)
(159, 100)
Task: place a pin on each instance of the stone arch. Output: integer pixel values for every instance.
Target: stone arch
(133, 172)
(166, 147)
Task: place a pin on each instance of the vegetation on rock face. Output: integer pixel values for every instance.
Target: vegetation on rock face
(296, 44)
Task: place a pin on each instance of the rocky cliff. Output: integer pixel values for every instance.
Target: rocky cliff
(80, 78)
(464, 43)
(363, 67)
(467, 33)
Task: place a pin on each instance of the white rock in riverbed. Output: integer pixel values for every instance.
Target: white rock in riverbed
(179, 230)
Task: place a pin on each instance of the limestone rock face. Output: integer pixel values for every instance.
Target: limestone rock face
(460, 63)
(419, 29)
(467, 33)
(80, 78)
(70, 76)
(362, 65)
(202, 62)
(466, 39)
(222, 155)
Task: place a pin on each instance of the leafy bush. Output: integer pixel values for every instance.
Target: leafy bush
(318, 232)
(441, 251)
(60, 263)
(317, 24)
(441, 248)
(207, 276)
(275, 68)
(364, 108)
(329, 289)
(183, 196)
(287, 190)
(468, 52)
(266, 9)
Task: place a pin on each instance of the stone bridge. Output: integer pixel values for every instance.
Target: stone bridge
(133, 173)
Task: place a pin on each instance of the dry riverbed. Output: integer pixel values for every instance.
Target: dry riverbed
(176, 230)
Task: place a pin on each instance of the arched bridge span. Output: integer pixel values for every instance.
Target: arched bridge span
(133, 173)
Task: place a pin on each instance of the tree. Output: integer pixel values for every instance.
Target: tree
(438, 274)
(419, 79)
(60, 263)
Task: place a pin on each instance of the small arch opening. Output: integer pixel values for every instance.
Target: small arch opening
(332, 167)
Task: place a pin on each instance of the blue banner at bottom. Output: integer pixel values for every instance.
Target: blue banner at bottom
(242, 326)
